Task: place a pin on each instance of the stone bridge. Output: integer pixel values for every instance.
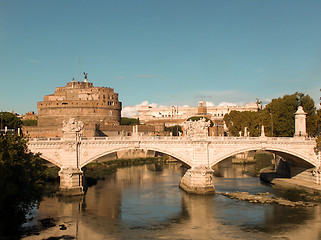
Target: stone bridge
(200, 153)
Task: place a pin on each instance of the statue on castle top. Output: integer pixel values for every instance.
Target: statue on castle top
(72, 126)
(86, 79)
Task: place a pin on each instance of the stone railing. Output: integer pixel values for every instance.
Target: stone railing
(210, 138)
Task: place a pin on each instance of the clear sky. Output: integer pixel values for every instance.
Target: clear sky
(169, 52)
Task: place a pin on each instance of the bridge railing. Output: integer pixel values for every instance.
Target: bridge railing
(209, 138)
(46, 139)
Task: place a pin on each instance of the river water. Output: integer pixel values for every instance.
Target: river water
(145, 202)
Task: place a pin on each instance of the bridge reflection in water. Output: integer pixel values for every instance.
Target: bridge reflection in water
(137, 203)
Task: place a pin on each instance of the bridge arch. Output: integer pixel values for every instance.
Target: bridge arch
(182, 158)
(51, 160)
(278, 151)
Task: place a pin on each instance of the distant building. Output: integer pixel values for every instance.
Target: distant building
(171, 116)
(30, 116)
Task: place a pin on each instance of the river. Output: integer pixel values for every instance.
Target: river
(145, 202)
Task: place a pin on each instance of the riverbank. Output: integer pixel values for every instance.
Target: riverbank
(290, 183)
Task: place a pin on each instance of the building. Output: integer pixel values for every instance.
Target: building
(30, 116)
(97, 107)
(81, 100)
(171, 116)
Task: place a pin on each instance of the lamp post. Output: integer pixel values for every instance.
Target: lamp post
(259, 107)
(1, 122)
(271, 113)
(177, 120)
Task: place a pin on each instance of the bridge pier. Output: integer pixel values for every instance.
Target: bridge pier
(71, 182)
(198, 180)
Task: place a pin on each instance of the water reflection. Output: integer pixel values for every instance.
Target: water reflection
(144, 202)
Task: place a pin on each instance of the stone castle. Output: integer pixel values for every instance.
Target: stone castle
(97, 107)
(81, 100)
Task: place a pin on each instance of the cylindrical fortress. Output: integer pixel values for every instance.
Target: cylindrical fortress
(82, 101)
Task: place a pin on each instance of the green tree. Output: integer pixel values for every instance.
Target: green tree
(237, 121)
(129, 121)
(279, 114)
(318, 126)
(174, 129)
(29, 122)
(21, 174)
(10, 120)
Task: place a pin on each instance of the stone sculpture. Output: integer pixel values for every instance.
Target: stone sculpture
(196, 128)
(72, 126)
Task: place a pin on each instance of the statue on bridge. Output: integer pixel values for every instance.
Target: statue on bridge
(72, 126)
(196, 128)
(72, 129)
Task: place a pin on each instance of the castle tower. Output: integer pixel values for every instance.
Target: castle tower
(80, 100)
(202, 108)
(300, 123)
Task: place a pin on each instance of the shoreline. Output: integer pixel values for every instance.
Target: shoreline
(289, 183)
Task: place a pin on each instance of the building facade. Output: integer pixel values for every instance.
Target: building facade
(97, 107)
(81, 100)
(171, 116)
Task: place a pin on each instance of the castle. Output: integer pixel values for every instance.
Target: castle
(97, 107)
(83, 101)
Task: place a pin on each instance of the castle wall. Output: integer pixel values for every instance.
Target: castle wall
(82, 101)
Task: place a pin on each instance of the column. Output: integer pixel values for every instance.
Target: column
(300, 123)
(71, 182)
(199, 179)
(71, 176)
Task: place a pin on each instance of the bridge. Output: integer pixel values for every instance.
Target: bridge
(199, 152)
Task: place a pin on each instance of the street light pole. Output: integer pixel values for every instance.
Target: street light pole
(271, 124)
(1, 121)
(177, 120)
(259, 106)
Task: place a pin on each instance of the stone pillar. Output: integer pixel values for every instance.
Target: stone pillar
(70, 174)
(199, 179)
(245, 132)
(135, 131)
(262, 131)
(71, 182)
(300, 123)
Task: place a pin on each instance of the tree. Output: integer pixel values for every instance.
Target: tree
(280, 114)
(174, 130)
(30, 122)
(318, 125)
(129, 121)
(10, 120)
(237, 121)
(278, 117)
(21, 174)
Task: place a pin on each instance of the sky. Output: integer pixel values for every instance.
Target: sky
(164, 52)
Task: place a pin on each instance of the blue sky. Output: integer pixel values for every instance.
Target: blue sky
(169, 52)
